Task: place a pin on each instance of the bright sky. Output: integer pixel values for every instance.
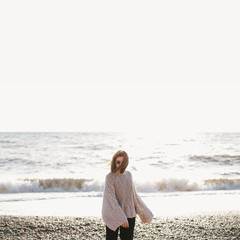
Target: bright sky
(119, 65)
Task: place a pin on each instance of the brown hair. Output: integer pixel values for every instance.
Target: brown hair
(124, 164)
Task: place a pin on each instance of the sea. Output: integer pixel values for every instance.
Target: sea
(63, 173)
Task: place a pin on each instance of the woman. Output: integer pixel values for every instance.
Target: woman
(121, 202)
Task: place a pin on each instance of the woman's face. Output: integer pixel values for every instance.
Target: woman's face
(119, 161)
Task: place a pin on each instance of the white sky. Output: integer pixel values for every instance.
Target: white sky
(119, 65)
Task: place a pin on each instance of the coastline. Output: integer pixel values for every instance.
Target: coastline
(218, 225)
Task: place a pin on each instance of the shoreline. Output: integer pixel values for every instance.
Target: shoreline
(223, 225)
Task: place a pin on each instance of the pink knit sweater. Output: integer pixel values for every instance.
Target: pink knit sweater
(121, 201)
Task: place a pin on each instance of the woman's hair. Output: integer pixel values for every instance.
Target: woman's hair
(124, 164)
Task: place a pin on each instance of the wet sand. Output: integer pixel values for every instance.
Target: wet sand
(207, 226)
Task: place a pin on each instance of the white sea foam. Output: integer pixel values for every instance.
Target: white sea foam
(91, 185)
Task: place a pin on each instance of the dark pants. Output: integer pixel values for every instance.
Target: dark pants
(125, 233)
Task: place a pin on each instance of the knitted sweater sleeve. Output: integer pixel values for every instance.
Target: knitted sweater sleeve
(141, 208)
(112, 213)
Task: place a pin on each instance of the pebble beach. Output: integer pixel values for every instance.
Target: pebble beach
(204, 227)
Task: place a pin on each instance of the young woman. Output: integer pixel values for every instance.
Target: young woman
(121, 202)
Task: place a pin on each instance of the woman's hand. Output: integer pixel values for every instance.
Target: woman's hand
(125, 225)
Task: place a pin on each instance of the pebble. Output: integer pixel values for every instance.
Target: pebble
(224, 227)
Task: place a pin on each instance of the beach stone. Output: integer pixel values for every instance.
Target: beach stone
(221, 227)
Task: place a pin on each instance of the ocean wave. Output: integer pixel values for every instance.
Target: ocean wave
(18, 160)
(222, 184)
(47, 185)
(177, 185)
(94, 185)
(6, 141)
(205, 185)
(224, 159)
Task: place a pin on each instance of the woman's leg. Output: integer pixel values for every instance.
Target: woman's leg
(127, 233)
(110, 234)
